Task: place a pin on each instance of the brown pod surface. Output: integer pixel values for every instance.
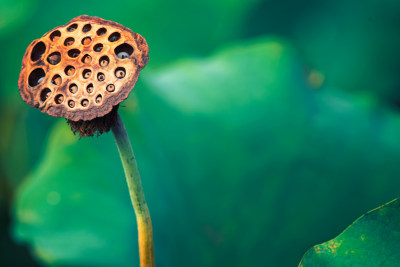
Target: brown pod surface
(81, 70)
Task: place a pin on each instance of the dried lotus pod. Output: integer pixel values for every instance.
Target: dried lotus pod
(82, 71)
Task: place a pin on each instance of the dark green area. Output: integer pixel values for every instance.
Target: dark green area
(261, 128)
(372, 240)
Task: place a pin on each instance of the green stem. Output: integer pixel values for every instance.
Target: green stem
(145, 232)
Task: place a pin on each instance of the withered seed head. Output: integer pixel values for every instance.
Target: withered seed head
(82, 71)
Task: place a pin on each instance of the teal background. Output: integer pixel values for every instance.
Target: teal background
(261, 128)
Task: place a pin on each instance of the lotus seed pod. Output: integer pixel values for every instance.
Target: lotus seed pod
(82, 71)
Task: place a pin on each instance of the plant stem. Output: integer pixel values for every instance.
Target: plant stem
(145, 232)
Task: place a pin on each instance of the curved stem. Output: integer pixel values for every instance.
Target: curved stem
(145, 231)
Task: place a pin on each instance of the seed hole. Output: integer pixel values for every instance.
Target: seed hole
(54, 58)
(110, 88)
(73, 88)
(72, 27)
(59, 99)
(115, 36)
(71, 103)
(85, 102)
(101, 31)
(69, 41)
(44, 95)
(90, 88)
(37, 51)
(86, 40)
(36, 77)
(54, 36)
(87, 59)
(74, 53)
(98, 47)
(123, 51)
(56, 80)
(86, 74)
(69, 70)
(120, 73)
(86, 28)
(101, 77)
(104, 61)
(98, 99)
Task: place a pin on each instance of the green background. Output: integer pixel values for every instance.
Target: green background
(261, 128)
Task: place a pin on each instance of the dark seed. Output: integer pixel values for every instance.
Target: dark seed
(101, 77)
(110, 88)
(87, 59)
(56, 80)
(103, 63)
(89, 88)
(87, 74)
(73, 88)
(120, 74)
(70, 70)
(85, 103)
(59, 99)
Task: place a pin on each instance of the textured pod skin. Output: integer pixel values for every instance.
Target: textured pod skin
(100, 85)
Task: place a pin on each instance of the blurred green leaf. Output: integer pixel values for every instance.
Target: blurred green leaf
(348, 43)
(239, 161)
(354, 45)
(82, 192)
(372, 240)
(13, 13)
(22, 138)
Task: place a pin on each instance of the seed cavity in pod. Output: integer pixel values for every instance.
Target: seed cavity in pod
(86, 74)
(37, 51)
(85, 102)
(104, 61)
(110, 88)
(69, 70)
(56, 80)
(36, 77)
(98, 99)
(86, 28)
(98, 47)
(54, 36)
(69, 41)
(54, 58)
(73, 88)
(101, 31)
(72, 27)
(87, 59)
(71, 103)
(59, 99)
(101, 77)
(120, 72)
(86, 40)
(45, 94)
(90, 88)
(123, 51)
(115, 36)
(74, 53)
